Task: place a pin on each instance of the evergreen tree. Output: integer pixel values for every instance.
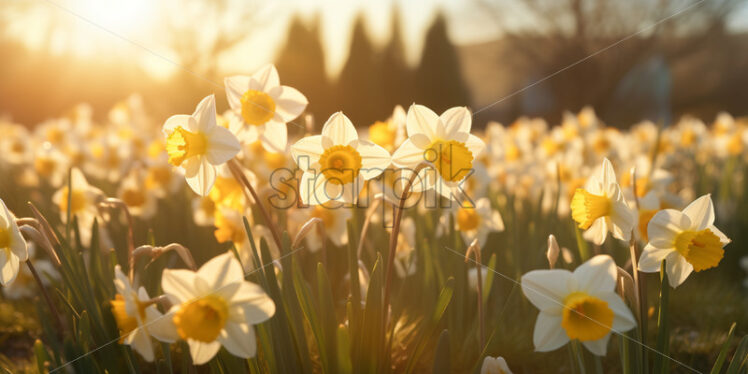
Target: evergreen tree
(359, 86)
(301, 64)
(439, 81)
(397, 78)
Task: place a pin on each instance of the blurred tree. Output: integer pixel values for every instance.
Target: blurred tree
(397, 78)
(587, 47)
(438, 79)
(301, 63)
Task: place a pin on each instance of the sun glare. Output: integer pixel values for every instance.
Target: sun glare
(116, 15)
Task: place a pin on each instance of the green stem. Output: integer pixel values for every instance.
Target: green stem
(661, 365)
(576, 347)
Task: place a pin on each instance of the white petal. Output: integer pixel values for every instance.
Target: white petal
(457, 119)
(598, 231)
(678, 269)
(310, 148)
(421, 120)
(9, 266)
(265, 79)
(236, 86)
(289, 103)
(339, 129)
(598, 347)
(275, 137)
(239, 339)
(222, 145)
(623, 318)
(179, 284)
(651, 258)
(722, 237)
(221, 270)
(161, 326)
(203, 179)
(665, 225)
(546, 289)
(312, 188)
(701, 212)
(78, 180)
(184, 121)
(548, 334)
(205, 114)
(607, 174)
(475, 145)
(408, 155)
(597, 276)
(139, 340)
(374, 159)
(18, 243)
(203, 352)
(258, 306)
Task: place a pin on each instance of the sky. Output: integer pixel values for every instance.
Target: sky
(131, 28)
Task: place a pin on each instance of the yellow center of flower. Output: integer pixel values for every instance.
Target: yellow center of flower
(687, 138)
(45, 166)
(4, 238)
(340, 164)
(227, 230)
(275, 160)
(586, 317)
(227, 192)
(513, 153)
(645, 216)
(381, 134)
(452, 159)
(133, 197)
(467, 218)
(125, 322)
(586, 207)
(325, 214)
(77, 201)
(702, 249)
(257, 107)
(202, 319)
(182, 144)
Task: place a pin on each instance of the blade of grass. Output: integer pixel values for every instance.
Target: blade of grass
(723, 351)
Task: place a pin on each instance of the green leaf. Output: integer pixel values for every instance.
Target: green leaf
(723, 351)
(661, 362)
(739, 363)
(442, 362)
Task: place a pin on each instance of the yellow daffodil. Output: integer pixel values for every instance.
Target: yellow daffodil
(600, 207)
(336, 163)
(83, 199)
(263, 107)
(687, 240)
(475, 220)
(197, 145)
(446, 142)
(581, 305)
(216, 307)
(13, 249)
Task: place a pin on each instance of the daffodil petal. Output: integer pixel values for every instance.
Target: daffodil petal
(221, 271)
(665, 225)
(203, 352)
(310, 148)
(202, 181)
(339, 129)
(598, 347)
(222, 146)
(179, 284)
(205, 114)
(239, 339)
(265, 78)
(700, 212)
(548, 334)
(651, 258)
(457, 119)
(289, 102)
(678, 269)
(597, 276)
(421, 120)
(374, 159)
(236, 86)
(546, 289)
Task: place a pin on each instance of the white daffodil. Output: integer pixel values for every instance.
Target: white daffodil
(476, 221)
(137, 317)
(197, 145)
(582, 305)
(140, 200)
(334, 222)
(336, 163)
(686, 240)
(216, 307)
(13, 249)
(83, 203)
(445, 141)
(600, 207)
(263, 107)
(494, 365)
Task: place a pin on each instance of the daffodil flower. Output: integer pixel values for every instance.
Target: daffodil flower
(580, 305)
(687, 240)
(216, 307)
(197, 145)
(263, 107)
(137, 317)
(336, 163)
(475, 220)
(494, 365)
(13, 248)
(83, 201)
(445, 141)
(600, 207)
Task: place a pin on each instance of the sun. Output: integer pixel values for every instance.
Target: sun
(122, 16)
